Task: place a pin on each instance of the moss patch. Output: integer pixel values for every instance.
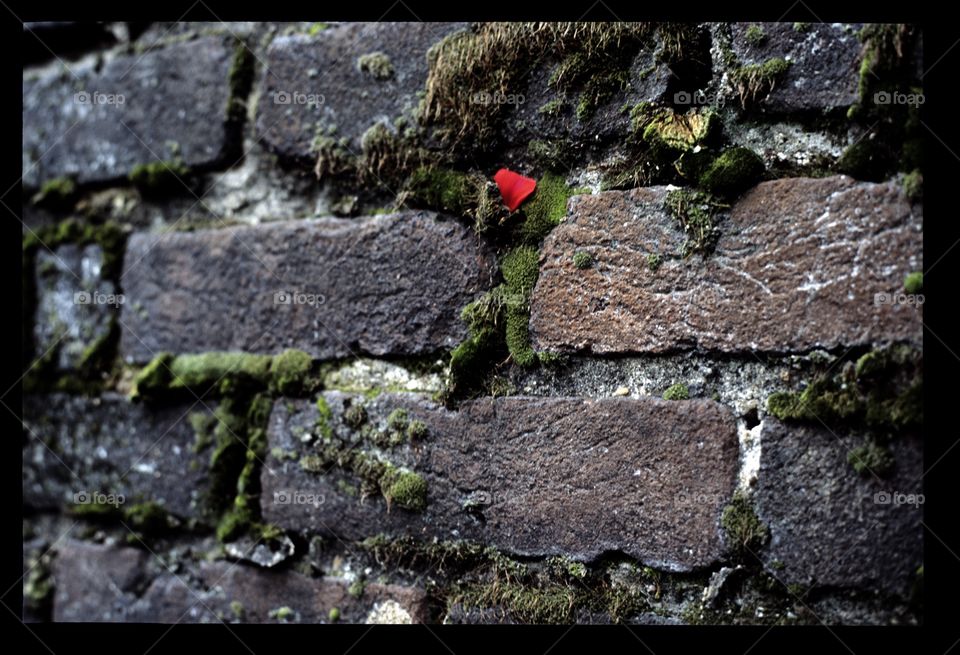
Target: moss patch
(58, 193)
(913, 282)
(696, 212)
(159, 177)
(227, 373)
(733, 172)
(882, 391)
(582, 260)
(377, 65)
(745, 533)
(871, 459)
(520, 268)
(754, 82)
(677, 391)
(493, 58)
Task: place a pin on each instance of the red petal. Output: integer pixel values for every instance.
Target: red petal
(514, 188)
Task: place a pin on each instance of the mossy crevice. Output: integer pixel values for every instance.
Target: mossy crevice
(493, 57)
(292, 372)
(882, 391)
(745, 533)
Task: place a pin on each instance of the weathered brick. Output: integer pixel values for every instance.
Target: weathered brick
(798, 265)
(533, 476)
(174, 105)
(384, 285)
(832, 527)
(108, 445)
(824, 63)
(316, 83)
(107, 583)
(75, 305)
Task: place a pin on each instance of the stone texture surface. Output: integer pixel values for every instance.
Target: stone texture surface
(533, 476)
(798, 265)
(116, 584)
(824, 63)
(831, 527)
(345, 100)
(107, 445)
(75, 305)
(174, 104)
(383, 285)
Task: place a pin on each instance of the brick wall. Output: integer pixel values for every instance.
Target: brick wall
(289, 358)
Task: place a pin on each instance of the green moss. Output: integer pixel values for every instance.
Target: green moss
(551, 108)
(417, 430)
(654, 261)
(755, 36)
(913, 185)
(404, 488)
(236, 608)
(355, 416)
(913, 282)
(695, 211)
(282, 613)
(544, 209)
(356, 588)
(240, 80)
(744, 531)
(867, 159)
(520, 268)
(754, 81)
(677, 391)
(58, 193)
(582, 259)
(290, 371)
(493, 58)
(670, 133)
(228, 371)
(442, 189)
(333, 156)
(885, 396)
(110, 236)
(149, 518)
(154, 377)
(871, 459)
(324, 418)
(377, 65)
(334, 615)
(803, 28)
(38, 584)
(398, 420)
(95, 511)
(316, 28)
(549, 155)
(159, 176)
(733, 172)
